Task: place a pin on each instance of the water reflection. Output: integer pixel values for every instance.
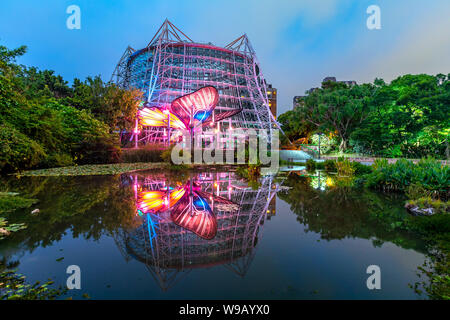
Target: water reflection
(326, 205)
(180, 223)
(211, 219)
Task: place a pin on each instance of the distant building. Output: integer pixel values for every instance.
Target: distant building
(272, 95)
(333, 79)
(299, 100)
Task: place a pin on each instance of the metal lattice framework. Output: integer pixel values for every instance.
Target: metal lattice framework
(170, 252)
(172, 65)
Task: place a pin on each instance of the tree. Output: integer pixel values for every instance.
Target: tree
(41, 127)
(337, 107)
(114, 106)
(409, 117)
(294, 126)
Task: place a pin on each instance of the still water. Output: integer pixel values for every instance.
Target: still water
(211, 235)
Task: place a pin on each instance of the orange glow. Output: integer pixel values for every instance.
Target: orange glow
(151, 200)
(154, 117)
(156, 201)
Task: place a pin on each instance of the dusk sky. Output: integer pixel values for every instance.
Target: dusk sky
(298, 43)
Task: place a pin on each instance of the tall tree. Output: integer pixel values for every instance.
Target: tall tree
(410, 117)
(114, 106)
(338, 107)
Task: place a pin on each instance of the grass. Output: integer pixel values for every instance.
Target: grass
(95, 169)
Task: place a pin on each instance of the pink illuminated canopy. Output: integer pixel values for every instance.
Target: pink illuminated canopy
(185, 112)
(189, 207)
(195, 108)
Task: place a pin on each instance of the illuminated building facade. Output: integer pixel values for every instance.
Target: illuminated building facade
(173, 65)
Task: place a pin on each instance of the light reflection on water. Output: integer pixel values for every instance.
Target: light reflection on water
(210, 235)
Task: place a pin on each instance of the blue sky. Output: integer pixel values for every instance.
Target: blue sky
(298, 42)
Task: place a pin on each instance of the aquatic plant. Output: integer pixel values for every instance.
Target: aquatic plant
(10, 201)
(94, 169)
(428, 173)
(14, 287)
(344, 167)
(437, 206)
(435, 274)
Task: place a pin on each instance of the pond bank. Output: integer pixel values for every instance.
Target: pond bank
(94, 169)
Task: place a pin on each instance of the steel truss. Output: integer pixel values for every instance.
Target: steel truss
(172, 252)
(173, 65)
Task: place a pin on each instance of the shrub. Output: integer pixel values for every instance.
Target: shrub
(360, 168)
(380, 163)
(416, 191)
(429, 174)
(58, 160)
(320, 165)
(101, 150)
(251, 172)
(344, 167)
(17, 151)
(148, 153)
(166, 155)
(311, 165)
(329, 165)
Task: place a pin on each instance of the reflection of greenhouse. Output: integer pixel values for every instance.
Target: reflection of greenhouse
(169, 251)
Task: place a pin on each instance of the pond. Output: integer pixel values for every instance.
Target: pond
(211, 235)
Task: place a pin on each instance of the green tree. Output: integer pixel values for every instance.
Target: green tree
(339, 108)
(409, 117)
(40, 127)
(114, 106)
(294, 126)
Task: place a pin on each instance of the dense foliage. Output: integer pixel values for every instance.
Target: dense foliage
(410, 117)
(430, 175)
(46, 123)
